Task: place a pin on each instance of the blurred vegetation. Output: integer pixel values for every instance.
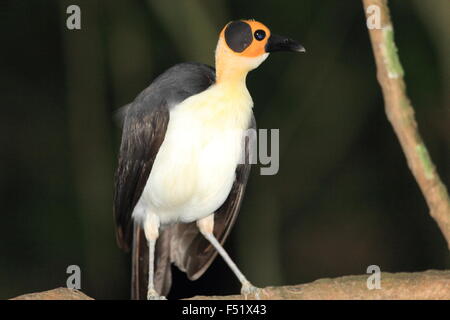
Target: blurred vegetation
(343, 199)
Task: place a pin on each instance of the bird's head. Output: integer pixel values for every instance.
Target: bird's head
(244, 44)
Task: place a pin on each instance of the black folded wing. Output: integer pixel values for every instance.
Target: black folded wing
(144, 126)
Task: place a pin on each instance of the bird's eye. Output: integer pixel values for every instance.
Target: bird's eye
(260, 35)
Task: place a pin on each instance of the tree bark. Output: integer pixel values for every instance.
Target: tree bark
(400, 113)
(429, 285)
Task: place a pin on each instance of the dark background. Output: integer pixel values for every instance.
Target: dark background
(343, 199)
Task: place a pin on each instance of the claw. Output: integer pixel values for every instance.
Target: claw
(250, 290)
(153, 295)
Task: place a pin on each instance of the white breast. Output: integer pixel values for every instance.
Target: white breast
(194, 169)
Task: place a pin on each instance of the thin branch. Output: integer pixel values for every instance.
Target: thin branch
(421, 285)
(401, 115)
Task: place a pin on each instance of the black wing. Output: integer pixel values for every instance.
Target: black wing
(143, 133)
(144, 128)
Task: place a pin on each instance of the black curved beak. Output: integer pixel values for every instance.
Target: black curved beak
(281, 43)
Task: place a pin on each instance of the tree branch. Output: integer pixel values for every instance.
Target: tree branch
(401, 115)
(55, 294)
(420, 285)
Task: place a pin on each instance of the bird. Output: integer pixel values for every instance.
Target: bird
(183, 162)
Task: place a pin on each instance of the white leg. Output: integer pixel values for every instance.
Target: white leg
(206, 227)
(151, 229)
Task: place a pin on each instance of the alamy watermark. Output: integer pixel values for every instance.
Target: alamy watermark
(74, 280)
(256, 146)
(73, 21)
(374, 280)
(373, 17)
(218, 146)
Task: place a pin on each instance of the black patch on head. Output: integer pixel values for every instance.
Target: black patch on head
(238, 35)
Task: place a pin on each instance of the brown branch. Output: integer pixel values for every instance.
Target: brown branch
(420, 285)
(401, 115)
(55, 294)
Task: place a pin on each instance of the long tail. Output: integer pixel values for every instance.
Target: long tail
(140, 260)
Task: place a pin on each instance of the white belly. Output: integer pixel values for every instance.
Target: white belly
(194, 169)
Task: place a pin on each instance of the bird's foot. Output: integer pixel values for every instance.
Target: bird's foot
(153, 295)
(249, 291)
